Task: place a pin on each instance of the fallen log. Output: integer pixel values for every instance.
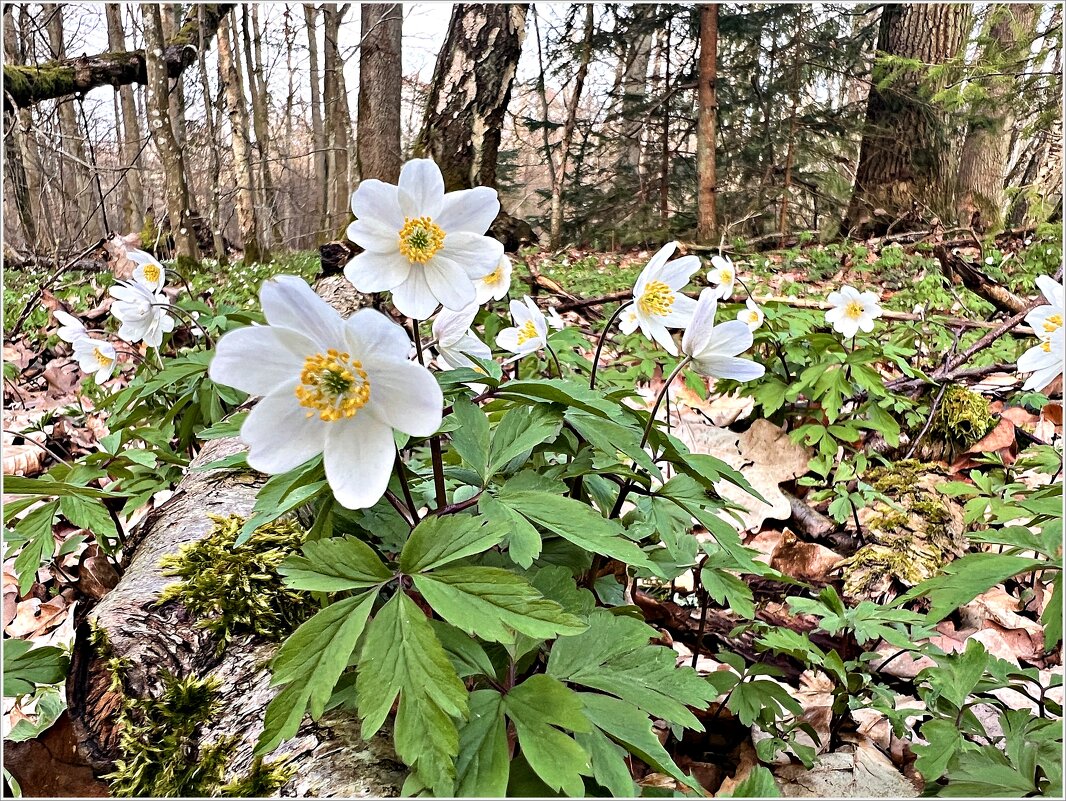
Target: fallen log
(131, 638)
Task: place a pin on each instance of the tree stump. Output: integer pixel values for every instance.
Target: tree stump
(329, 757)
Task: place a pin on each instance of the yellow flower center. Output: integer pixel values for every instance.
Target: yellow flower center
(656, 299)
(726, 276)
(854, 310)
(494, 278)
(1045, 346)
(102, 358)
(420, 239)
(751, 316)
(152, 273)
(333, 384)
(1053, 323)
(527, 332)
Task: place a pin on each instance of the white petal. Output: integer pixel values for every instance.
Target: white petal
(373, 336)
(374, 236)
(421, 189)
(473, 346)
(655, 264)
(662, 336)
(508, 339)
(259, 358)
(729, 367)
(470, 210)
(379, 201)
(866, 322)
(676, 274)
(681, 312)
(405, 396)
(847, 327)
(835, 298)
(728, 339)
(477, 255)
(1036, 358)
(359, 458)
(413, 297)
(1052, 290)
(449, 283)
(377, 272)
(451, 326)
(628, 323)
(699, 330)
(279, 434)
(519, 312)
(290, 303)
(834, 314)
(722, 263)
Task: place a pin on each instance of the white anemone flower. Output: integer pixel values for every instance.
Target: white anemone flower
(148, 271)
(496, 284)
(555, 320)
(1047, 320)
(530, 331)
(1044, 361)
(95, 357)
(714, 349)
(723, 275)
(657, 300)
(426, 246)
(852, 311)
(71, 329)
(142, 312)
(456, 342)
(328, 385)
(752, 316)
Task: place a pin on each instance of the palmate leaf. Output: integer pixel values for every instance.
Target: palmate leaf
(26, 667)
(403, 657)
(436, 541)
(522, 538)
(519, 431)
(574, 521)
(333, 565)
(615, 656)
(310, 663)
(611, 437)
(539, 708)
(471, 436)
(493, 604)
(483, 765)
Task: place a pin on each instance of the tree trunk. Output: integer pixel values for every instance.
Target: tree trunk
(639, 36)
(903, 178)
(318, 130)
(242, 163)
(664, 144)
(149, 639)
(706, 124)
(469, 92)
(76, 179)
(986, 150)
(559, 174)
(214, 190)
(380, 76)
(338, 120)
(130, 140)
(25, 86)
(171, 18)
(257, 90)
(170, 154)
(18, 172)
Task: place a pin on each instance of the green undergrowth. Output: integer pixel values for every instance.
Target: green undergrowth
(236, 590)
(963, 417)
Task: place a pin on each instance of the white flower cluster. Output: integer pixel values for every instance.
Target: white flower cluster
(1045, 360)
(141, 309)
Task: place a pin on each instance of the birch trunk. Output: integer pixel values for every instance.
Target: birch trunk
(380, 76)
(130, 138)
(318, 130)
(706, 124)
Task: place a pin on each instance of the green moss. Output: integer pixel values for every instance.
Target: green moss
(963, 417)
(237, 590)
(898, 478)
(151, 234)
(874, 568)
(263, 780)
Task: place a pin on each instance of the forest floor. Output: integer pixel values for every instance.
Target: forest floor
(51, 415)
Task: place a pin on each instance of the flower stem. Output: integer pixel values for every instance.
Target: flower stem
(558, 367)
(406, 487)
(417, 338)
(434, 442)
(624, 492)
(603, 339)
(188, 316)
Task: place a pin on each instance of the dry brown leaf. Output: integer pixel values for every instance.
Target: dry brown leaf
(1000, 607)
(1052, 412)
(765, 542)
(806, 561)
(863, 772)
(33, 618)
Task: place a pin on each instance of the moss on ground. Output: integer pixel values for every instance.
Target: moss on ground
(963, 417)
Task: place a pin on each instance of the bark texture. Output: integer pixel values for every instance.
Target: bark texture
(27, 85)
(706, 124)
(469, 93)
(338, 120)
(634, 87)
(130, 141)
(905, 154)
(330, 757)
(378, 137)
(986, 150)
(171, 155)
(318, 128)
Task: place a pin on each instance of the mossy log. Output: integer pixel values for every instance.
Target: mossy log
(28, 85)
(143, 644)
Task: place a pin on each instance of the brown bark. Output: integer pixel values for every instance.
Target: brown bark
(329, 756)
(559, 174)
(664, 144)
(130, 138)
(906, 148)
(380, 76)
(214, 214)
(634, 85)
(318, 130)
(338, 119)
(706, 124)
(986, 149)
(28, 85)
(170, 153)
(257, 91)
(469, 92)
(229, 76)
